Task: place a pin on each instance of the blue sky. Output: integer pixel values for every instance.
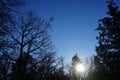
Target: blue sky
(74, 24)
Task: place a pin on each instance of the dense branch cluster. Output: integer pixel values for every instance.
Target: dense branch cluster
(26, 51)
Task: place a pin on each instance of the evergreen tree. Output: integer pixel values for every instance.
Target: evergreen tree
(107, 60)
(75, 61)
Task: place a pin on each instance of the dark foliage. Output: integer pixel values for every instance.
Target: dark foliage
(107, 60)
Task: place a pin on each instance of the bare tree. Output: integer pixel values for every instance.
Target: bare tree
(30, 37)
(8, 10)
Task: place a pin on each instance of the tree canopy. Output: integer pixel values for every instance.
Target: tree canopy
(26, 49)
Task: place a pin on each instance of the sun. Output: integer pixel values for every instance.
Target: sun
(80, 68)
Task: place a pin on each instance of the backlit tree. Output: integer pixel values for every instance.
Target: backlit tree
(107, 60)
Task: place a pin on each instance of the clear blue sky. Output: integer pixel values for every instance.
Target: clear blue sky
(74, 24)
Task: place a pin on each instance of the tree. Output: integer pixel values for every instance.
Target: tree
(107, 60)
(26, 51)
(91, 71)
(48, 69)
(30, 37)
(8, 10)
(75, 61)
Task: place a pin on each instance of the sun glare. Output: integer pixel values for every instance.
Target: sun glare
(80, 68)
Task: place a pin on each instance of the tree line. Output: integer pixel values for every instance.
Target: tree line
(27, 52)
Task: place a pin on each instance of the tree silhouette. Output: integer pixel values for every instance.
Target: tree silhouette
(91, 71)
(75, 61)
(26, 51)
(107, 60)
(30, 37)
(8, 10)
(30, 53)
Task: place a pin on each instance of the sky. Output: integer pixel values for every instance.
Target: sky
(74, 24)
